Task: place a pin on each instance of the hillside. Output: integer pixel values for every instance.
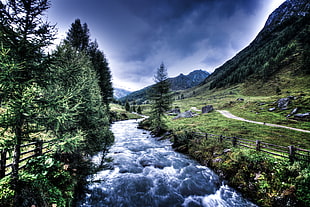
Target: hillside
(278, 58)
(180, 82)
(119, 93)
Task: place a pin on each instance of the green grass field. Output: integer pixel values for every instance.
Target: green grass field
(253, 108)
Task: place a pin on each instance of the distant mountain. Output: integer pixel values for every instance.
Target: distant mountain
(180, 82)
(183, 82)
(282, 46)
(119, 93)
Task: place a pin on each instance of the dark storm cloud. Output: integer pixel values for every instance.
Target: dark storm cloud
(182, 25)
(137, 35)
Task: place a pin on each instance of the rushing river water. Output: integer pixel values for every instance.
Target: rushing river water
(147, 172)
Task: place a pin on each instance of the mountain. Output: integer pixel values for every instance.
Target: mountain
(282, 46)
(180, 82)
(183, 82)
(119, 93)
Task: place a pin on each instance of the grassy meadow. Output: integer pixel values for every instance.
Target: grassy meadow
(253, 108)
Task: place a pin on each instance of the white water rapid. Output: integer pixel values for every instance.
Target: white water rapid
(146, 172)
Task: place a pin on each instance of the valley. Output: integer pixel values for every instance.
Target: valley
(268, 83)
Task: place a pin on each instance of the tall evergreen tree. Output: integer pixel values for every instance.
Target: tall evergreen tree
(75, 94)
(25, 34)
(78, 35)
(79, 38)
(127, 106)
(160, 98)
(102, 69)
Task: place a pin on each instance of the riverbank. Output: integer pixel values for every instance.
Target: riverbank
(265, 180)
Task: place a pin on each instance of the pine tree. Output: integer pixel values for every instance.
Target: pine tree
(127, 106)
(160, 98)
(102, 69)
(139, 110)
(78, 36)
(78, 112)
(25, 34)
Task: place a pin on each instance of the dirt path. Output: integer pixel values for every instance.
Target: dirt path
(231, 116)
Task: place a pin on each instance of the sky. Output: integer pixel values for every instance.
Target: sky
(136, 36)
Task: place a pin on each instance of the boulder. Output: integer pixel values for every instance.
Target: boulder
(186, 114)
(271, 109)
(302, 116)
(240, 99)
(294, 111)
(175, 111)
(194, 109)
(283, 103)
(207, 109)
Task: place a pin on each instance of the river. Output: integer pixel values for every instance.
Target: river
(146, 172)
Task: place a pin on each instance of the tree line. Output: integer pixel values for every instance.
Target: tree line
(63, 96)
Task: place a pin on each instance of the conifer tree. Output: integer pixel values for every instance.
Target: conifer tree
(102, 69)
(75, 93)
(127, 106)
(25, 34)
(78, 36)
(160, 98)
(139, 110)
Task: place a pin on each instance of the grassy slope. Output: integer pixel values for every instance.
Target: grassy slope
(254, 107)
(264, 180)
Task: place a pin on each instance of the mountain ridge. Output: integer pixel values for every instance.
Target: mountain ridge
(180, 82)
(119, 93)
(283, 41)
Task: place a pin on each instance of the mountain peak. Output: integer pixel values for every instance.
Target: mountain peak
(182, 81)
(119, 93)
(285, 11)
(283, 44)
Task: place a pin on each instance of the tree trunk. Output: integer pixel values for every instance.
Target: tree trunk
(16, 158)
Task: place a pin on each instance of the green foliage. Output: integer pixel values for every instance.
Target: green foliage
(101, 67)
(160, 98)
(46, 182)
(25, 34)
(182, 140)
(266, 180)
(56, 97)
(6, 193)
(300, 178)
(127, 106)
(77, 107)
(78, 36)
(139, 110)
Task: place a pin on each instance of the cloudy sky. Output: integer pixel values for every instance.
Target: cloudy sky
(138, 35)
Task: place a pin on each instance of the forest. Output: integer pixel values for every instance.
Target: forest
(61, 97)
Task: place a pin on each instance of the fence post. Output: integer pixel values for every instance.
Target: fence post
(221, 139)
(291, 151)
(234, 141)
(257, 145)
(39, 147)
(206, 136)
(3, 163)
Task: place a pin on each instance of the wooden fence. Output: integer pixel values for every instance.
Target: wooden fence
(32, 149)
(290, 152)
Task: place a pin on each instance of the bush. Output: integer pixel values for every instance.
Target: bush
(46, 181)
(266, 180)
